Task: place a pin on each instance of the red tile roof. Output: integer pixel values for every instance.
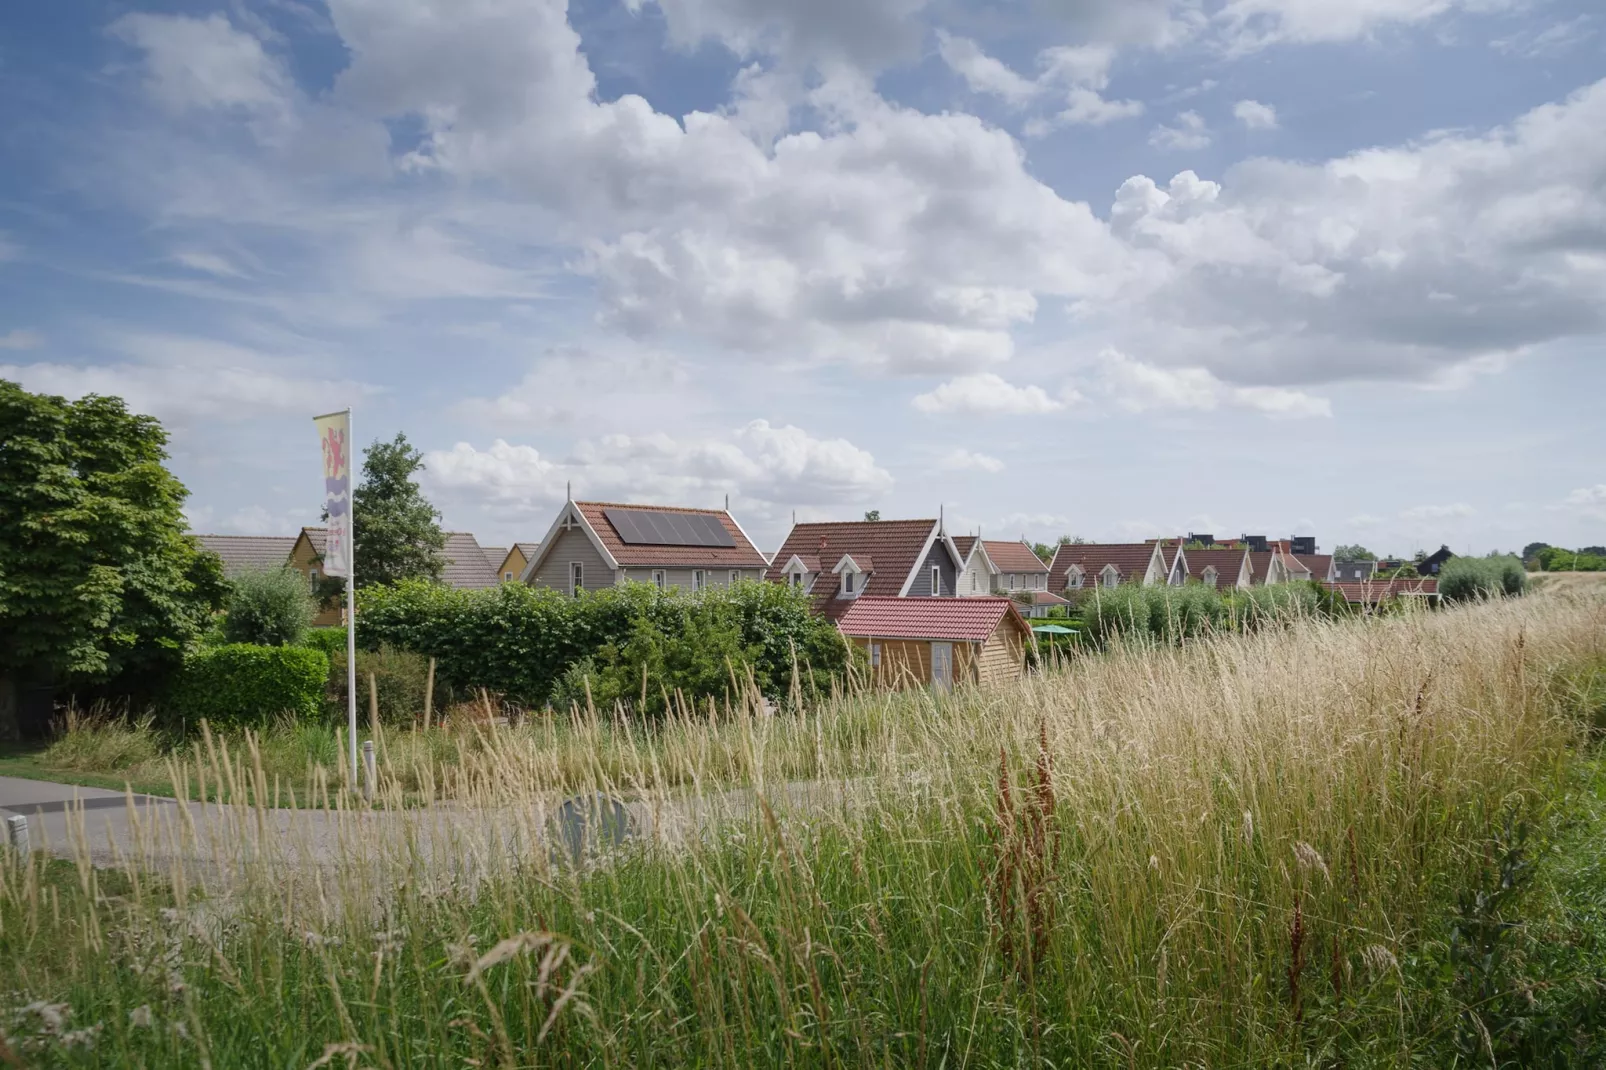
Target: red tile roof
(1319, 564)
(634, 555)
(964, 620)
(1259, 564)
(1369, 593)
(964, 544)
(1226, 563)
(1013, 556)
(894, 546)
(1131, 560)
(1047, 598)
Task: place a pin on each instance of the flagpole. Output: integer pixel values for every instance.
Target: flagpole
(351, 623)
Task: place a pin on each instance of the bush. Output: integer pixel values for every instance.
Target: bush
(521, 641)
(270, 608)
(331, 641)
(400, 677)
(1464, 579)
(1167, 613)
(1274, 603)
(243, 685)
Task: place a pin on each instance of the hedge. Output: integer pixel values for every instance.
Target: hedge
(1465, 579)
(522, 641)
(1174, 613)
(245, 685)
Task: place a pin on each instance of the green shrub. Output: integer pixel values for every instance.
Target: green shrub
(400, 678)
(331, 641)
(269, 608)
(1464, 579)
(1273, 603)
(521, 641)
(244, 685)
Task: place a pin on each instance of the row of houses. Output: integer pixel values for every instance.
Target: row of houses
(925, 604)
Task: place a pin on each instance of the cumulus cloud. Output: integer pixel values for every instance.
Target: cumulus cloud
(1255, 115)
(1139, 387)
(981, 72)
(780, 466)
(1189, 133)
(207, 64)
(1247, 25)
(985, 394)
(963, 460)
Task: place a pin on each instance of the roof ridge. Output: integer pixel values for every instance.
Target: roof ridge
(655, 508)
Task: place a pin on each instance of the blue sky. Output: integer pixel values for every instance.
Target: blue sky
(1108, 267)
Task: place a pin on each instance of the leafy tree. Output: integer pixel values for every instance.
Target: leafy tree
(1530, 551)
(98, 581)
(269, 608)
(1468, 578)
(872, 515)
(1354, 552)
(1597, 551)
(396, 529)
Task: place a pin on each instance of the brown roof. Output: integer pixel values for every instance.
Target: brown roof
(1043, 598)
(1259, 564)
(466, 566)
(964, 544)
(1370, 592)
(743, 555)
(1319, 564)
(1013, 556)
(1131, 560)
(494, 556)
(966, 620)
(894, 546)
(1226, 562)
(249, 553)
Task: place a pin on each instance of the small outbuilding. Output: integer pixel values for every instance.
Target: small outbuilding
(939, 642)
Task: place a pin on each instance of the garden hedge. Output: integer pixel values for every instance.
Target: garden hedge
(243, 685)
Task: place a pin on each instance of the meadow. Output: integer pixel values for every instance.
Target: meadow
(1365, 842)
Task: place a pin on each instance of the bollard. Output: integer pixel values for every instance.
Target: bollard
(17, 833)
(369, 769)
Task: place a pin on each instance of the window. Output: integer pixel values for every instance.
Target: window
(1112, 578)
(1012, 581)
(507, 576)
(735, 577)
(847, 582)
(975, 580)
(875, 655)
(1073, 578)
(797, 579)
(698, 579)
(1210, 575)
(577, 578)
(312, 580)
(936, 580)
(658, 578)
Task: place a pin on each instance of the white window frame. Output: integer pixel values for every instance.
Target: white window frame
(1210, 575)
(875, 655)
(699, 579)
(1075, 578)
(936, 580)
(507, 577)
(313, 576)
(797, 579)
(1109, 577)
(577, 578)
(735, 577)
(1012, 578)
(847, 583)
(660, 578)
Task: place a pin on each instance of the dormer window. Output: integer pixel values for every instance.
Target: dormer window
(1073, 578)
(797, 579)
(1210, 575)
(849, 583)
(1110, 577)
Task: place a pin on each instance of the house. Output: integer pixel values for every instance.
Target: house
(464, 566)
(510, 565)
(1078, 566)
(1431, 564)
(249, 553)
(939, 641)
(1369, 594)
(1221, 569)
(1320, 566)
(595, 545)
(1280, 564)
(1353, 571)
(839, 561)
(997, 566)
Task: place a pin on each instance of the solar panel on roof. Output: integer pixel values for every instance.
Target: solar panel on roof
(648, 527)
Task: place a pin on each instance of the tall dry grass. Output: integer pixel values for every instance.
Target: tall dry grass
(1227, 853)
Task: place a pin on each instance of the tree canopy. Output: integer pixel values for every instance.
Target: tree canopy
(97, 578)
(1353, 552)
(396, 530)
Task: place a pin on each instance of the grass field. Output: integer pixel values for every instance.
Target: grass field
(1307, 846)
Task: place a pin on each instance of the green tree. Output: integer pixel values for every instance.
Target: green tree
(1353, 552)
(97, 578)
(269, 608)
(1530, 551)
(872, 515)
(396, 530)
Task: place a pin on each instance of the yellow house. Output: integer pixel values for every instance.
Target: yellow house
(467, 565)
(515, 561)
(306, 557)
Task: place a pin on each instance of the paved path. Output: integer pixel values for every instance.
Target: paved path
(207, 843)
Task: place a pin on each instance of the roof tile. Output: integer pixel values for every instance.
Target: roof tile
(1013, 556)
(249, 553)
(894, 546)
(965, 620)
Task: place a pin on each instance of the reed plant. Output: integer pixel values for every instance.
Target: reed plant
(1225, 853)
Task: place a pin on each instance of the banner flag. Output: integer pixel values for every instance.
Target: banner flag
(334, 434)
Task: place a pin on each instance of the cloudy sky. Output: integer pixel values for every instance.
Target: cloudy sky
(1104, 267)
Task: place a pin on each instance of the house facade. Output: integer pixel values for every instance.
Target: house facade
(939, 642)
(837, 562)
(1221, 569)
(595, 545)
(1431, 564)
(1080, 567)
(515, 560)
(1353, 571)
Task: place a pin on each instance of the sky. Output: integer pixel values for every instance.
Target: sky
(1110, 268)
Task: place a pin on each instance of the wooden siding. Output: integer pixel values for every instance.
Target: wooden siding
(304, 561)
(978, 571)
(907, 662)
(1003, 656)
(681, 577)
(515, 562)
(568, 546)
(938, 555)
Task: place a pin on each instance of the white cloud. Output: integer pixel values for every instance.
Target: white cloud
(1589, 502)
(206, 64)
(985, 394)
(1553, 40)
(868, 34)
(1138, 387)
(1189, 133)
(1255, 115)
(1246, 25)
(981, 72)
(963, 460)
(210, 263)
(779, 466)
(21, 339)
(1426, 513)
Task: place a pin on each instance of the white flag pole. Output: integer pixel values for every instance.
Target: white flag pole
(351, 617)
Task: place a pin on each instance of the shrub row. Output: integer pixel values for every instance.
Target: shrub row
(1173, 613)
(634, 642)
(1464, 579)
(242, 684)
